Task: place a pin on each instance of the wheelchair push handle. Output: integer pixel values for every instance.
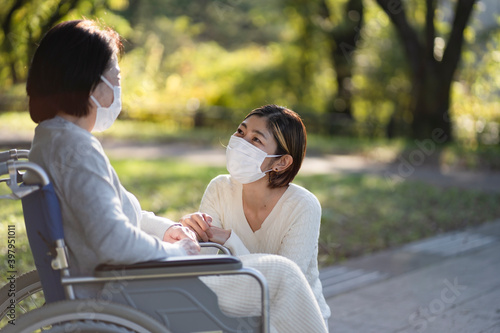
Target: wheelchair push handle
(13, 154)
(34, 178)
(36, 174)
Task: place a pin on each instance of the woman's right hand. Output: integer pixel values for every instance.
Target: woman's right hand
(200, 223)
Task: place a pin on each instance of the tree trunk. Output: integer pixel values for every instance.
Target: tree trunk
(344, 42)
(431, 75)
(431, 106)
(345, 38)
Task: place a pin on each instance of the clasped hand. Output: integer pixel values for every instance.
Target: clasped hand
(201, 224)
(183, 237)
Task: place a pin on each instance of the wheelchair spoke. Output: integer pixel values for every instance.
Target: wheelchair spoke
(33, 300)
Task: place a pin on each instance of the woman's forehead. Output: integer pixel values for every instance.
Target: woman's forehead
(254, 123)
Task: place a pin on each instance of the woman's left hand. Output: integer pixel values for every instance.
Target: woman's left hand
(199, 223)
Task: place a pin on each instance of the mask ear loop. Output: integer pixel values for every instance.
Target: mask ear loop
(95, 101)
(223, 145)
(106, 82)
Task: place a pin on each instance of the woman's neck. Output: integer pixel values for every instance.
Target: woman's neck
(86, 122)
(258, 202)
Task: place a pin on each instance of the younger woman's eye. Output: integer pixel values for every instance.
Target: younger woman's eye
(257, 140)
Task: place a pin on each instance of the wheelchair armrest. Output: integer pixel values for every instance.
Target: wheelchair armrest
(221, 248)
(174, 265)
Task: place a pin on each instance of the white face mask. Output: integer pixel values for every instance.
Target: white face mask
(107, 116)
(243, 160)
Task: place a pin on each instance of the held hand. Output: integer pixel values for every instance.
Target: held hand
(191, 247)
(200, 223)
(219, 235)
(176, 233)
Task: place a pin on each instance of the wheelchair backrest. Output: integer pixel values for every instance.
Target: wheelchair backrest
(42, 216)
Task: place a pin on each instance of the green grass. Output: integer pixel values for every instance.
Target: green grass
(11, 215)
(166, 187)
(364, 214)
(361, 214)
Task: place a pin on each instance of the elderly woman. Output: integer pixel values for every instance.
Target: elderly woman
(74, 89)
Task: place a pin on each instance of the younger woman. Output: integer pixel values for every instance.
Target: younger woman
(256, 208)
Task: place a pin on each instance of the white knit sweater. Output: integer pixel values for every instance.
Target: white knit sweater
(290, 230)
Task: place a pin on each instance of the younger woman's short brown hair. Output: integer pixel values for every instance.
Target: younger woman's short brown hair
(67, 67)
(290, 134)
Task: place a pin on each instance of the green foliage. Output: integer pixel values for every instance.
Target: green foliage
(476, 104)
(222, 58)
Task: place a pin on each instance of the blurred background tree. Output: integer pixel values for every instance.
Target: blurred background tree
(432, 60)
(342, 24)
(382, 68)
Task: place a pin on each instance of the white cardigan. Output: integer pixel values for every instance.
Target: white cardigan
(290, 230)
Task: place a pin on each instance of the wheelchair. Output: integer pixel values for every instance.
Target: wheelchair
(29, 293)
(155, 296)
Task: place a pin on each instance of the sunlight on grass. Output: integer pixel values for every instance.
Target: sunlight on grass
(11, 215)
(364, 214)
(18, 123)
(166, 187)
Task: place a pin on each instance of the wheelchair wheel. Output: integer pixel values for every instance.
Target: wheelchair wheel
(28, 296)
(85, 316)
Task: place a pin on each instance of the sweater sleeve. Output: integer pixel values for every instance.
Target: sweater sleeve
(216, 202)
(300, 242)
(88, 190)
(155, 225)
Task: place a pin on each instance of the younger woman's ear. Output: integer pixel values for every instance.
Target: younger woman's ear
(284, 163)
